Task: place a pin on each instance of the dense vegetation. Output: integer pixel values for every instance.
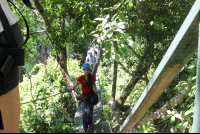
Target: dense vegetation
(133, 37)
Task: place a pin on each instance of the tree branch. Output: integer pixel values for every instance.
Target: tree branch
(133, 51)
(124, 68)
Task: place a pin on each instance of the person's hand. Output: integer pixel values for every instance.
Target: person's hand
(98, 91)
(70, 89)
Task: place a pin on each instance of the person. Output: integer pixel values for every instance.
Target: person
(85, 91)
(95, 55)
(9, 94)
(91, 60)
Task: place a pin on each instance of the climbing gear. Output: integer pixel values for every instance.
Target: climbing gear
(94, 98)
(86, 66)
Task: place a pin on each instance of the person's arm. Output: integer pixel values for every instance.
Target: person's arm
(75, 85)
(95, 87)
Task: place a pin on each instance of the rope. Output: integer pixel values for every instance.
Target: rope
(41, 98)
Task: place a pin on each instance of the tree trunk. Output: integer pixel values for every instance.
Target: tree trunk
(114, 84)
(98, 60)
(61, 58)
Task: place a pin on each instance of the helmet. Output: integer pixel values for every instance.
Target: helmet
(90, 51)
(86, 66)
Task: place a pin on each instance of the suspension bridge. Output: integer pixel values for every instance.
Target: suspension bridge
(182, 48)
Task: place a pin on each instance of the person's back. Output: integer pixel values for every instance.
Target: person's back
(90, 58)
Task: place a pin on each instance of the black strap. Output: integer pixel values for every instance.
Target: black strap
(88, 85)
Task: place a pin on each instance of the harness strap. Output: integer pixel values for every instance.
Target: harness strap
(88, 86)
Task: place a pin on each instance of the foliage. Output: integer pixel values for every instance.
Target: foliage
(147, 27)
(48, 115)
(148, 128)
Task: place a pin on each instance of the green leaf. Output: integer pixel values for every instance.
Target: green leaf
(172, 119)
(95, 35)
(117, 57)
(130, 4)
(107, 55)
(100, 19)
(80, 8)
(124, 50)
(154, 7)
(98, 40)
(116, 6)
(182, 126)
(167, 117)
(107, 25)
(172, 129)
(157, 24)
(109, 33)
(191, 110)
(141, 129)
(119, 30)
(191, 129)
(114, 16)
(178, 116)
(108, 44)
(113, 23)
(121, 16)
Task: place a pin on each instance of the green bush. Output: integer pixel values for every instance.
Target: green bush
(48, 115)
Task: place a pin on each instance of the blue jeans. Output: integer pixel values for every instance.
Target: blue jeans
(87, 110)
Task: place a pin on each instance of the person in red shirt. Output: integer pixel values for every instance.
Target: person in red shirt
(85, 91)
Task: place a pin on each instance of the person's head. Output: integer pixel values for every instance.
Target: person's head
(90, 53)
(95, 52)
(86, 68)
(86, 71)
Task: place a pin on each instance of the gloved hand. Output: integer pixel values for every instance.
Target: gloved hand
(98, 91)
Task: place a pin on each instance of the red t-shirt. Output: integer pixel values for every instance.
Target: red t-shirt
(84, 88)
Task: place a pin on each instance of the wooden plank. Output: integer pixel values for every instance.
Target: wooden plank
(180, 51)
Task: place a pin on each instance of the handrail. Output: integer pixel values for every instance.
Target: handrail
(196, 120)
